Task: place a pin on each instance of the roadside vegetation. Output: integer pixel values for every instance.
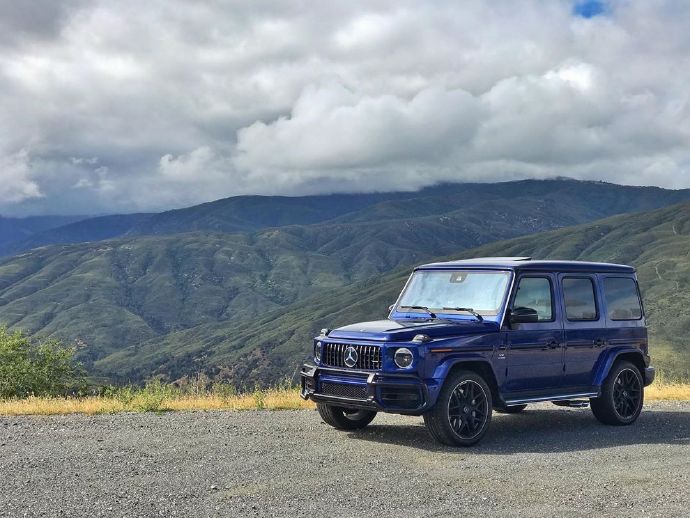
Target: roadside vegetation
(41, 377)
(37, 367)
(157, 397)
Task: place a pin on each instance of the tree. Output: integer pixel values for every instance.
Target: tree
(38, 367)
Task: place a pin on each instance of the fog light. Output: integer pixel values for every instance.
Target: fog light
(317, 352)
(403, 358)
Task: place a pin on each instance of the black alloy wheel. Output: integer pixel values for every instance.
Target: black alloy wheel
(462, 413)
(622, 396)
(468, 408)
(627, 393)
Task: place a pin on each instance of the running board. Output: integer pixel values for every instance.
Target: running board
(565, 397)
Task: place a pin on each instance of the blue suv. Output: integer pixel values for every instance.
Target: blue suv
(466, 338)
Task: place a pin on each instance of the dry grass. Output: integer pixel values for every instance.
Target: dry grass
(668, 392)
(273, 399)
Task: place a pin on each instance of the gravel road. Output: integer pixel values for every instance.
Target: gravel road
(547, 461)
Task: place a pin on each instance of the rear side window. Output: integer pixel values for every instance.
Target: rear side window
(580, 302)
(535, 293)
(622, 300)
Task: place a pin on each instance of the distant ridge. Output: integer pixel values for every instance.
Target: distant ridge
(18, 229)
(253, 213)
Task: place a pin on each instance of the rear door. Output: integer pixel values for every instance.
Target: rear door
(585, 329)
(625, 324)
(535, 355)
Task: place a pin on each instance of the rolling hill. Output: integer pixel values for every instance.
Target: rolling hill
(135, 291)
(272, 347)
(81, 231)
(576, 201)
(14, 230)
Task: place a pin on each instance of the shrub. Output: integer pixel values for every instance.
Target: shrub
(259, 398)
(124, 394)
(223, 390)
(152, 396)
(38, 367)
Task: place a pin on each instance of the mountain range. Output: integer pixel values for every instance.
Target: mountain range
(273, 346)
(237, 287)
(584, 201)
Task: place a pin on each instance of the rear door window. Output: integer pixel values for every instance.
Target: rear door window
(622, 298)
(580, 299)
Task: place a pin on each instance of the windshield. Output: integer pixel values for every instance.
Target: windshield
(446, 291)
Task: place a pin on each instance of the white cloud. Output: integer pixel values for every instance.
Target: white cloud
(16, 184)
(186, 168)
(331, 127)
(143, 106)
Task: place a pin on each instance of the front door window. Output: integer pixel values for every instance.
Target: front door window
(535, 293)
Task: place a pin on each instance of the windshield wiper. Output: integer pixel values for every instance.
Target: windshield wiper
(423, 308)
(468, 310)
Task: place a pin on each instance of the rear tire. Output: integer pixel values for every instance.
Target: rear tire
(462, 413)
(345, 418)
(516, 409)
(622, 396)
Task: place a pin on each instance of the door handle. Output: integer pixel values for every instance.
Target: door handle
(553, 344)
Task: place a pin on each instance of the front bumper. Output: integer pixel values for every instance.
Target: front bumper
(383, 392)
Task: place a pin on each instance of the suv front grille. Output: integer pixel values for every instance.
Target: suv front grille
(368, 356)
(344, 390)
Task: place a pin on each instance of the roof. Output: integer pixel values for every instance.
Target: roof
(527, 263)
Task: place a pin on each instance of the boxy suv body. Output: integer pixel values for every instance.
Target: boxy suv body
(466, 338)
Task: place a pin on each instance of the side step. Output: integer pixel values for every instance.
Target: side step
(572, 404)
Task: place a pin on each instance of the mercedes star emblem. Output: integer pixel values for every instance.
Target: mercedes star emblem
(351, 356)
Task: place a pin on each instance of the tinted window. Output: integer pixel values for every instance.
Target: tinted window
(579, 299)
(535, 293)
(622, 301)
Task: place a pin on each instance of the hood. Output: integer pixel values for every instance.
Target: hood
(404, 331)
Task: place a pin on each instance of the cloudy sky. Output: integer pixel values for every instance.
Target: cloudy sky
(131, 106)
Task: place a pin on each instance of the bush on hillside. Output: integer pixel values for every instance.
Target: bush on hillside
(37, 367)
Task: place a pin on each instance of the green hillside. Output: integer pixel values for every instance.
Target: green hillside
(657, 243)
(113, 294)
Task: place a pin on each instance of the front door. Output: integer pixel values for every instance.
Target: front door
(534, 349)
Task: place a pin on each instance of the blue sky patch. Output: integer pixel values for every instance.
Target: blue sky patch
(589, 8)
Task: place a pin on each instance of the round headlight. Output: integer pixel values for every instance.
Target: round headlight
(403, 358)
(317, 351)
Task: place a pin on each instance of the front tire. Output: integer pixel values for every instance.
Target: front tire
(622, 396)
(345, 418)
(462, 413)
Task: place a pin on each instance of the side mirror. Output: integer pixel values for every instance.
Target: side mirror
(523, 315)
